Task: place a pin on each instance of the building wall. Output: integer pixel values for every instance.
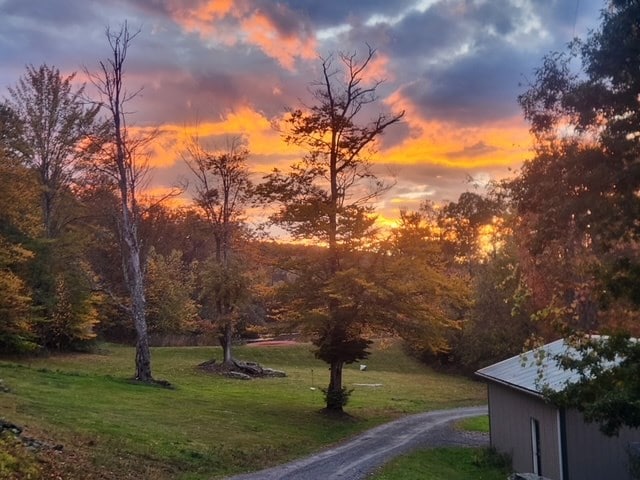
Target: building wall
(510, 413)
(592, 455)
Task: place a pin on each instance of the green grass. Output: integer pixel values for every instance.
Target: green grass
(474, 424)
(209, 426)
(443, 464)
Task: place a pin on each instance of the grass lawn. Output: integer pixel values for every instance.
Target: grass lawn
(474, 424)
(444, 464)
(208, 426)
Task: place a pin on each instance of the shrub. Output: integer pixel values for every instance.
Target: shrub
(16, 463)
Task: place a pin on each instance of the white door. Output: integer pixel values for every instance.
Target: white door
(535, 446)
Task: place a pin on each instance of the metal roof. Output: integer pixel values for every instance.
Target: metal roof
(533, 370)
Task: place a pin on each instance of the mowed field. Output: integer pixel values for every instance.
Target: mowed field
(207, 426)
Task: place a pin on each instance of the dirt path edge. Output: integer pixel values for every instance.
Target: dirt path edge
(360, 456)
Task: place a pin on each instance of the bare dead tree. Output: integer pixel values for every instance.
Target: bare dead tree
(126, 165)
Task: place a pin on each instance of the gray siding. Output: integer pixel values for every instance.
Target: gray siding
(594, 456)
(510, 414)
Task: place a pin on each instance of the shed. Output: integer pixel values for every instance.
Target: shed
(543, 438)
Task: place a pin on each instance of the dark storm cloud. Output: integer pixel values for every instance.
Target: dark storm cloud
(331, 13)
(67, 34)
(568, 19)
(210, 95)
(444, 27)
(287, 21)
(422, 35)
(501, 16)
(476, 88)
(58, 13)
(464, 62)
(395, 135)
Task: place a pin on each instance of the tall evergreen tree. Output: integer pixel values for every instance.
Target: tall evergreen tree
(325, 198)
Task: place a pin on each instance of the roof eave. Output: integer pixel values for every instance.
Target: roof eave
(512, 386)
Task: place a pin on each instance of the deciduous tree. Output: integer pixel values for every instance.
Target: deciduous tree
(428, 299)
(55, 125)
(462, 224)
(170, 289)
(578, 202)
(19, 223)
(223, 191)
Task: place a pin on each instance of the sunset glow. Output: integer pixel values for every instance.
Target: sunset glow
(221, 69)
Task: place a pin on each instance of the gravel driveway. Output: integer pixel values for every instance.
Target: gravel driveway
(359, 457)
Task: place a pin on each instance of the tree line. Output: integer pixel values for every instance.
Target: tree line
(552, 251)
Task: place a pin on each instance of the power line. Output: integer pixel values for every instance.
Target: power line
(575, 19)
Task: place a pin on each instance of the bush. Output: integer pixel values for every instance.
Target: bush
(16, 463)
(491, 458)
(337, 399)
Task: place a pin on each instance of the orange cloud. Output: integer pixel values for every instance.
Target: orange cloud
(502, 143)
(378, 69)
(483, 147)
(243, 122)
(230, 22)
(202, 17)
(285, 48)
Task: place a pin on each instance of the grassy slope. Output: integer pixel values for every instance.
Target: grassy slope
(208, 426)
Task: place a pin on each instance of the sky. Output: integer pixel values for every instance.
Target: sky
(232, 68)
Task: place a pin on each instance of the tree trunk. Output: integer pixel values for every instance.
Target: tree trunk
(225, 342)
(143, 359)
(143, 355)
(138, 305)
(334, 392)
(47, 208)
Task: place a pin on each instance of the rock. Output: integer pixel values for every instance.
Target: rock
(10, 427)
(237, 375)
(32, 444)
(270, 372)
(3, 387)
(240, 369)
(250, 368)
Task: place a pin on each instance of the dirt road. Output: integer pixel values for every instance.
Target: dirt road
(359, 457)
